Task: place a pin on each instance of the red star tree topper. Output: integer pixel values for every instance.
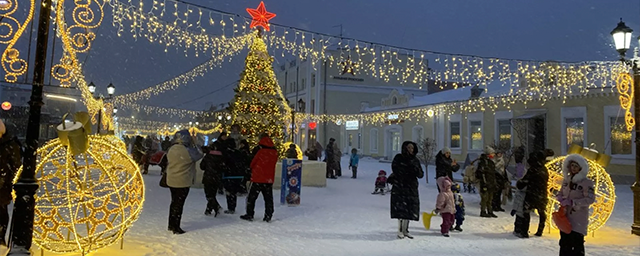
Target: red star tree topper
(260, 17)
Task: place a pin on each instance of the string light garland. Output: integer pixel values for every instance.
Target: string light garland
(85, 202)
(624, 84)
(12, 64)
(601, 209)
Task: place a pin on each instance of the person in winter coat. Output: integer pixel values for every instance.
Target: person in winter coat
(149, 149)
(181, 171)
(381, 183)
(459, 201)
(233, 174)
(137, 152)
(445, 205)
(10, 161)
(319, 150)
(213, 165)
(405, 200)
(501, 182)
(535, 183)
(330, 159)
(245, 153)
(353, 163)
(291, 153)
(337, 159)
(577, 194)
(263, 171)
(486, 175)
(445, 165)
(166, 143)
(312, 153)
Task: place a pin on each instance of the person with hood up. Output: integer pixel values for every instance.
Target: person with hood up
(535, 185)
(292, 152)
(405, 199)
(181, 172)
(312, 153)
(501, 182)
(213, 165)
(10, 161)
(445, 205)
(577, 194)
(166, 143)
(233, 174)
(330, 159)
(263, 171)
(445, 165)
(486, 175)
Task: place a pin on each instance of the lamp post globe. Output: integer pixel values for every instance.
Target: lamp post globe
(115, 110)
(301, 105)
(622, 37)
(92, 87)
(111, 89)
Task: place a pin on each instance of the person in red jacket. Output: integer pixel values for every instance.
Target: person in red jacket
(263, 171)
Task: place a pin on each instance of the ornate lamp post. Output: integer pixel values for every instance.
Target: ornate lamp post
(110, 91)
(622, 40)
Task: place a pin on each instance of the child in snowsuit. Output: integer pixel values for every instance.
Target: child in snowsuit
(459, 201)
(381, 183)
(445, 205)
(353, 163)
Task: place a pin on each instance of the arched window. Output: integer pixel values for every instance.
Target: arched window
(394, 100)
(418, 133)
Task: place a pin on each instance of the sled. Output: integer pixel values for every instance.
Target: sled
(426, 219)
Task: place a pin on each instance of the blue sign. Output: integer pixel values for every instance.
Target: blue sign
(291, 182)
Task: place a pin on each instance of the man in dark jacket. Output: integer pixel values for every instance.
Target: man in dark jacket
(233, 174)
(486, 175)
(330, 159)
(263, 171)
(535, 181)
(445, 165)
(166, 143)
(10, 158)
(213, 165)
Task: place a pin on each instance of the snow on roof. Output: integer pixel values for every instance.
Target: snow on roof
(494, 89)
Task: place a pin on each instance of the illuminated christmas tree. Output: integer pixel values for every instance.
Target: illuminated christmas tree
(259, 105)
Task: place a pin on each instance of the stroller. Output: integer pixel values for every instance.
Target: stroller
(160, 159)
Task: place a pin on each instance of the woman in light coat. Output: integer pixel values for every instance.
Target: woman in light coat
(181, 172)
(577, 194)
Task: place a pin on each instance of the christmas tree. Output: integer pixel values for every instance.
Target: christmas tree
(258, 106)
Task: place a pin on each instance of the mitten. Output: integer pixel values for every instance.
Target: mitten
(437, 211)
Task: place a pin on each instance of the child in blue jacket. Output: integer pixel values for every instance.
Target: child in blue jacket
(353, 163)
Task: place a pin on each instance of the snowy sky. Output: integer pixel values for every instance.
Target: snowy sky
(541, 30)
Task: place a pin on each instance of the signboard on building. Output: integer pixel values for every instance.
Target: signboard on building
(392, 117)
(352, 125)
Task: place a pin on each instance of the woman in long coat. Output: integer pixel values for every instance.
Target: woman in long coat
(405, 200)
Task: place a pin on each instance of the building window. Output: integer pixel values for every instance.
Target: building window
(575, 131)
(417, 134)
(313, 106)
(350, 140)
(359, 140)
(394, 100)
(454, 130)
(504, 133)
(374, 140)
(313, 80)
(303, 83)
(621, 139)
(475, 133)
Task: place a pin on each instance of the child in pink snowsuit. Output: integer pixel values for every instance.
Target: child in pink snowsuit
(445, 205)
(381, 183)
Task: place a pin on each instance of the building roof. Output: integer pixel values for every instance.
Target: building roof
(453, 95)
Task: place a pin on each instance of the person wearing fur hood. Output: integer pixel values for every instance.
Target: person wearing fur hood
(577, 194)
(445, 204)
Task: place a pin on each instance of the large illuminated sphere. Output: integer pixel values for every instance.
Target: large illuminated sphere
(85, 202)
(601, 209)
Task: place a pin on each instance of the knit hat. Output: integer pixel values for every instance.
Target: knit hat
(446, 150)
(489, 150)
(382, 172)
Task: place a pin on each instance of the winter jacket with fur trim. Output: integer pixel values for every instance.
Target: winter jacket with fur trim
(580, 190)
(445, 202)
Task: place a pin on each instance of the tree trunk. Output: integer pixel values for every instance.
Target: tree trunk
(426, 172)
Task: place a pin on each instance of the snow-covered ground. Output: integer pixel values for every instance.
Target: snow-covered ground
(345, 219)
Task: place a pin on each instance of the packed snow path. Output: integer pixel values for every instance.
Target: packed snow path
(345, 219)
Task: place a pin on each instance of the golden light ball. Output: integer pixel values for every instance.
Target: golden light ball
(85, 202)
(605, 192)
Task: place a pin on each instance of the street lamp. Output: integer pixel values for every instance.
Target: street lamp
(110, 91)
(622, 41)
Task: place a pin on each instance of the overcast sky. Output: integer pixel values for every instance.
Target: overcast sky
(569, 30)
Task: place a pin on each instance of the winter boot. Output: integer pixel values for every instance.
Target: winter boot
(229, 212)
(492, 215)
(178, 231)
(445, 234)
(405, 229)
(458, 228)
(484, 214)
(247, 217)
(540, 229)
(400, 229)
(267, 219)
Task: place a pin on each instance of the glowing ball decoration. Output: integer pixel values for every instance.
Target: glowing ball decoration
(85, 202)
(601, 209)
